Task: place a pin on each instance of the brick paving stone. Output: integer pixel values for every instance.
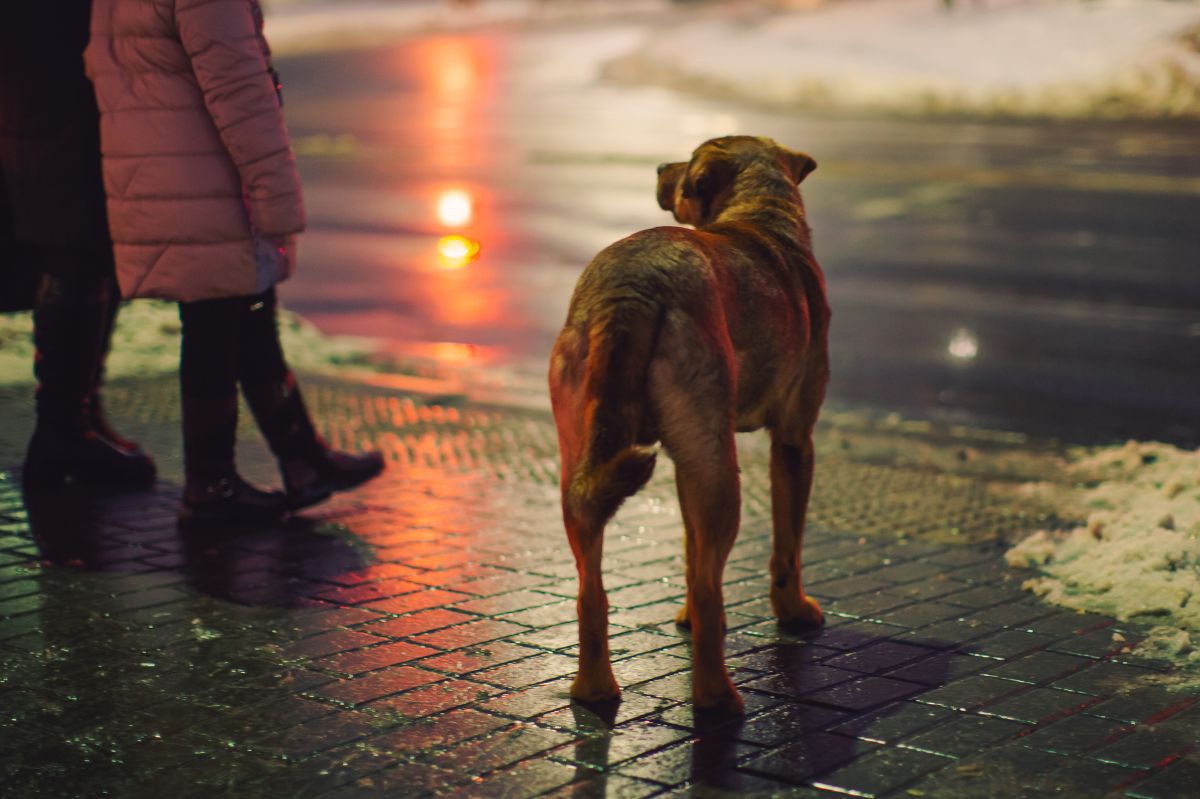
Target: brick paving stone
(507, 603)
(1076, 734)
(417, 623)
(712, 760)
(529, 671)
(970, 692)
(432, 699)
(605, 786)
(332, 642)
(941, 668)
(1139, 704)
(802, 681)
(436, 734)
(864, 693)
(892, 723)
(585, 721)
(878, 657)
(1008, 643)
(963, 734)
(510, 745)
(477, 658)
(881, 772)
(528, 703)
(417, 600)
(809, 757)
(418, 637)
(360, 661)
(1038, 705)
(1101, 678)
(1145, 747)
(782, 724)
(1038, 667)
(1178, 778)
(464, 635)
(531, 778)
(375, 685)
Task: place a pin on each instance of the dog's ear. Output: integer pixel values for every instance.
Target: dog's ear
(668, 183)
(706, 182)
(798, 164)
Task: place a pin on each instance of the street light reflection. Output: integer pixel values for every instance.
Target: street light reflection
(454, 208)
(455, 252)
(963, 345)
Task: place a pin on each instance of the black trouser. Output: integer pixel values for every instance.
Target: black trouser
(226, 343)
(72, 325)
(230, 341)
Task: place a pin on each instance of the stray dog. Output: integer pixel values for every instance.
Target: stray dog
(686, 336)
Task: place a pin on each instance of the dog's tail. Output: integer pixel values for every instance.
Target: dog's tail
(613, 466)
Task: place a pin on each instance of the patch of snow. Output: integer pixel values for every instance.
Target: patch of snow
(304, 26)
(1138, 555)
(146, 342)
(1058, 58)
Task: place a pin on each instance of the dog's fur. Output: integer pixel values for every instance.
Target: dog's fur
(685, 336)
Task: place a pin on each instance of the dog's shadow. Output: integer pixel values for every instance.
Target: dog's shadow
(814, 703)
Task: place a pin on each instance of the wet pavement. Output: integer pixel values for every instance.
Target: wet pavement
(1029, 275)
(417, 637)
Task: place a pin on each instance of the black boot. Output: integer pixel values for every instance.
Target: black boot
(70, 322)
(214, 495)
(311, 470)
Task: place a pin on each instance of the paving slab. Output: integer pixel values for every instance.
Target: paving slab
(416, 637)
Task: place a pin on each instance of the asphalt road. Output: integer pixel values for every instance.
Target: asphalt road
(1037, 277)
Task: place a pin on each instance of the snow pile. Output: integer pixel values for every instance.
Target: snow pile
(306, 26)
(146, 342)
(1059, 58)
(1138, 555)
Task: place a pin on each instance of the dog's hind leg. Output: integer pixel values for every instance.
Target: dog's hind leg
(594, 682)
(791, 484)
(697, 429)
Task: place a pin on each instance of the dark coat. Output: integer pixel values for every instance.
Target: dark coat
(53, 214)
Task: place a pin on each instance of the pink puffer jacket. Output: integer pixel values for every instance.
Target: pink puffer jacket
(203, 194)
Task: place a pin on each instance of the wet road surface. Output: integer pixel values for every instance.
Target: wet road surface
(1035, 277)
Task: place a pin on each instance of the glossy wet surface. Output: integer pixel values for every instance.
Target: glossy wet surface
(417, 637)
(1030, 276)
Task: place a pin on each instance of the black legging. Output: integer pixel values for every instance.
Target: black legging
(230, 341)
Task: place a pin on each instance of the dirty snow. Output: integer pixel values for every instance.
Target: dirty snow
(1138, 555)
(1060, 58)
(1057, 58)
(146, 342)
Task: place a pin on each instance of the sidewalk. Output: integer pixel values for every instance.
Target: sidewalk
(417, 637)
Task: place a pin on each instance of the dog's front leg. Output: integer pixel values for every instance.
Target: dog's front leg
(791, 484)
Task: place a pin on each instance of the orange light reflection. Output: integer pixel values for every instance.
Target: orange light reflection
(455, 252)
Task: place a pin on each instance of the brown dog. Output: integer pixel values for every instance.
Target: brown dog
(686, 336)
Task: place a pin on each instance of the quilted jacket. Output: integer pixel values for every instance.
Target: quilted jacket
(202, 190)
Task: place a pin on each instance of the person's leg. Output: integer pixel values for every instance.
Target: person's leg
(95, 407)
(71, 316)
(213, 492)
(311, 470)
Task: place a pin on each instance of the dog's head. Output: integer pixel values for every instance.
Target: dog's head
(696, 191)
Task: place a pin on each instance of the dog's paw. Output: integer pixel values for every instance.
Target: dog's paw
(796, 612)
(595, 691)
(683, 619)
(720, 699)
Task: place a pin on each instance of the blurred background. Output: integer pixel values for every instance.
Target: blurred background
(1007, 206)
